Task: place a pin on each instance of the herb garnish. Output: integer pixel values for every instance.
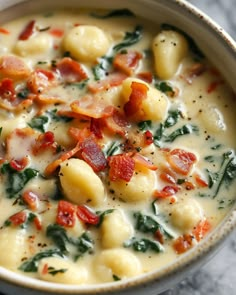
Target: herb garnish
(52, 271)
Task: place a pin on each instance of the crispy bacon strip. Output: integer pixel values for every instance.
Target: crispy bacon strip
(27, 31)
(70, 70)
(127, 62)
(116, 123)
(138, 94)
(114, 79)
(167, 191)
(181, 161)
(92, 154)
(40, 80)
(50, 169)
(91, 107)
(121, 167)
(13, 67)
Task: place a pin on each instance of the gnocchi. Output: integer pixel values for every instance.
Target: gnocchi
(74, 176)
(86, 43)
(116, 262)
(155, 106)
(169, 48)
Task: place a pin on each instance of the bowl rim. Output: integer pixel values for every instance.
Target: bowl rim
(206, 248)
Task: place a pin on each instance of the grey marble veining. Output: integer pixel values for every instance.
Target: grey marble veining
(217, 277)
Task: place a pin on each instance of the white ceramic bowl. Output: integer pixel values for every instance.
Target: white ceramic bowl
(221, 50)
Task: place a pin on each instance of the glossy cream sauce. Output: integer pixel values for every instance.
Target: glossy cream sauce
(180, 163)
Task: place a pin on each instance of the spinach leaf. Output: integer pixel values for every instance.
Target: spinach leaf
(145, 125)
(80, 85)
(16, 180)
(114, 13)
(102, 215)
(164, 87)
(55, 117)
(23, 94)
(228, 171)
(116, 278)
(192, 45)
(144, 245)
(147, 224)
(39, 123)
(83, 244)
(186, 129)
(59, 236)
(172, 119)
(31, 265)
(113, 148)
(104, 65)
(52, 271)
(130, 38)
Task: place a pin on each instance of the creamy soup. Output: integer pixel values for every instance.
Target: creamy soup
(117, 146)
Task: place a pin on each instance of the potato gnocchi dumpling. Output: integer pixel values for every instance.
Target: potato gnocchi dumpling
(115, 230)
(186, 214)
(80, 184)
(13, 246)
(86, 43)
(39, 44)
(116, 262)
(139, 188)
(169, 48)
(59, 270)
(155, 106)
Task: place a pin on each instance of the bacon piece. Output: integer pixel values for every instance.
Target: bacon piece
(116, 123)
(18, 218)
(58, 33)
(114, 79)
(23, 105)
(202, 228)
(91, 107)
(40, 80)
(79, 134)
(37, 223)
(200, 181)
(183, 243)
(148, 137)
(145, 76)
(55, 164)
(181, 161)
(65, 214)
(168, 175)
(166, 192)
(19, 164)
(13, 67)
(43, 142)
(44, 100)
(27, 31)
(127, 62)
(140, 160)
(121, 167)
(86, 215)
(31, 199)
(95, 128)
(138, 94)
(7, 90)
(212, 86)
(159, 236)
(70, 70)
(92, 154)
(4, 31)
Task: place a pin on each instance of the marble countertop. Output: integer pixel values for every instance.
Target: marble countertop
(217, 277)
